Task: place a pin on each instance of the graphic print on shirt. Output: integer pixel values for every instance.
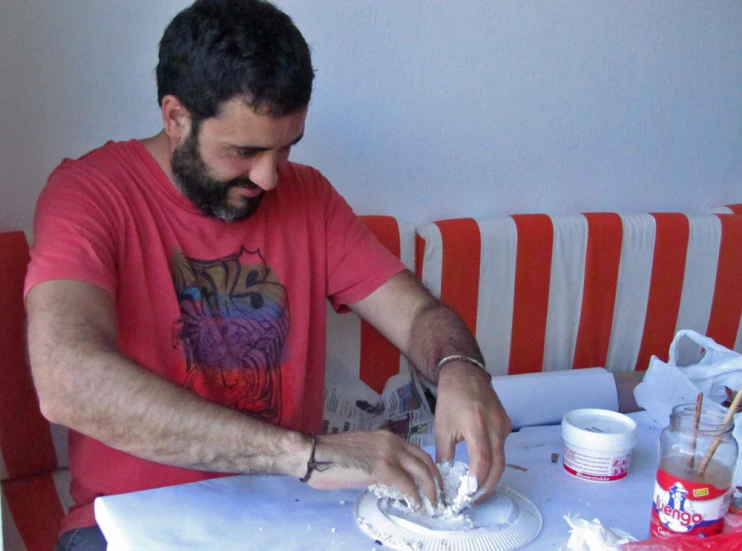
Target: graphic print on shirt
(234, 321)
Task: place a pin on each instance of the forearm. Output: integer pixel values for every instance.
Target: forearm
(98, 392)
(427, 331)
(437, 333)
(423, 328)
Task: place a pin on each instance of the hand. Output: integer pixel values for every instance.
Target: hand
(468, 409)
(375, 457)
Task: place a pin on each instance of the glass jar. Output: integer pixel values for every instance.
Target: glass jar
(691, 494)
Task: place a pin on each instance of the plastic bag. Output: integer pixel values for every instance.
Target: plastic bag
(729, 540)
(696, 364)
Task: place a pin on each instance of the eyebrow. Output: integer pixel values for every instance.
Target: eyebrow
(257, 149)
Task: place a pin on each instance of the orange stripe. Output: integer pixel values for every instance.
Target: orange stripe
(726, 307)
(531, 301)
(36, 510)
(379, 357)
(25, 436)
(736, 209)
(462, 246)
(665, 287)
(602, 259)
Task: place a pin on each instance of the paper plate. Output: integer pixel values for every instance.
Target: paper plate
(508, 520)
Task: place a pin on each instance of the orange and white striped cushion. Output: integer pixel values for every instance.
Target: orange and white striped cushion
(32, 508)
(354, 347)
(729, 209)
(35, 491)
(544, 293)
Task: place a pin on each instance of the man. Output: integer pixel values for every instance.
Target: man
(176, 291)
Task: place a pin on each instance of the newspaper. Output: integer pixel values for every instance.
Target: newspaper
(351, 405)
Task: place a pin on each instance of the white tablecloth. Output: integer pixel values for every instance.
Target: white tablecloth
(281, 513)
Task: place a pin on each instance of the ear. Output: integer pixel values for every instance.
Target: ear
(175, 118)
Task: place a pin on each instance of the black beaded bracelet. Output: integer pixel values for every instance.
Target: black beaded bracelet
(313, 465)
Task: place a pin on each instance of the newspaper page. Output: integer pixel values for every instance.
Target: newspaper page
(402, 407)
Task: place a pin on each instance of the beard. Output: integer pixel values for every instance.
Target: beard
(206, 193)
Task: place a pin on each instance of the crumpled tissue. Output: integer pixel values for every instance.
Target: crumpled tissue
(593, 536)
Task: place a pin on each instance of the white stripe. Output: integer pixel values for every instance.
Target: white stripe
(499, 238)
(722, 210)
(11, 537)
(565, 291)
(432, 258)
(699, 279)
(407, 244)
(343, 345)
(632, 292)
(59, 437)
(62, 479)
(407, 255)
(738, 342)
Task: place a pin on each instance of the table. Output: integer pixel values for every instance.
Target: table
(280, 513)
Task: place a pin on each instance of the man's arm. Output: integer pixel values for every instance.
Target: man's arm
(85, 383)
(426, 331)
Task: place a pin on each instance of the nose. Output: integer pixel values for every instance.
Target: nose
(264, 172)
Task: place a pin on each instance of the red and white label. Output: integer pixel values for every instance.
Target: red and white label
(602, 467)
(684, 507)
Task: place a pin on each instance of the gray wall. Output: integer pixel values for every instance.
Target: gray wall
(422, 109)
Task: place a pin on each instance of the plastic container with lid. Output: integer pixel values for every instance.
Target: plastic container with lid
(597, 444)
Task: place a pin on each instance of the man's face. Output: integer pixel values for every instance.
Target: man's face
(227, 162)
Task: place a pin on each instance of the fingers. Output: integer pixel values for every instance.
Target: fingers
(495, 473)
(416, 471)
(468, 409)
(377, 457)
(402, 481)
(429, 476)
(445, 445)
(480, 453)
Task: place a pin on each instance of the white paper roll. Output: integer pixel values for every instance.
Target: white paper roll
(543, 398)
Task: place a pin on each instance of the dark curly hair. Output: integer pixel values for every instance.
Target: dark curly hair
(216, 50)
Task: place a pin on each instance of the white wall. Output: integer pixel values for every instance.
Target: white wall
(422, 108)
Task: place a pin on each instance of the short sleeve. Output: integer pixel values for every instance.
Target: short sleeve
(357, 263)
(74, 236)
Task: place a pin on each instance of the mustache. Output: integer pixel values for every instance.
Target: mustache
(243, 182)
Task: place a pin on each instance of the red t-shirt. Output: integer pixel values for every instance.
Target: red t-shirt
(234, 312)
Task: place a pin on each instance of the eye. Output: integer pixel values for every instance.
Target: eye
(244, 154)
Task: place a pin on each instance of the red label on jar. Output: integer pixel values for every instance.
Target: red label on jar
(687, 507)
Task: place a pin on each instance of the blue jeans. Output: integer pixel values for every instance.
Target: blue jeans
(82, 539)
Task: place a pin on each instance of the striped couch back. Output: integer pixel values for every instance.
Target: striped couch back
(729, 209)
(540, 293)
(33, 452)
(29, 445)
(545, 293)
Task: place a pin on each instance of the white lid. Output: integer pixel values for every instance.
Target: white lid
(599, 429)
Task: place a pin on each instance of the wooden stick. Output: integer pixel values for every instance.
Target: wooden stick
(696, 422)
(715, 444)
